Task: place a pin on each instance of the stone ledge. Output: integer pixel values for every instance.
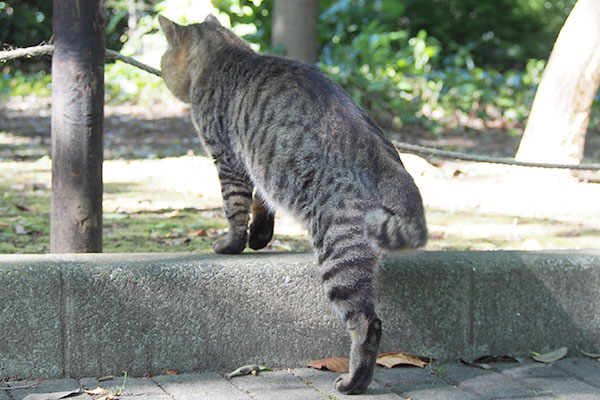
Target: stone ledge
(98, 314)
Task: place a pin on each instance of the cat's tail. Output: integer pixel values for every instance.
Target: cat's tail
(400, 225)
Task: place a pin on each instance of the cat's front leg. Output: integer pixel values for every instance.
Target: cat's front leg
(236, 190)
(263, 220)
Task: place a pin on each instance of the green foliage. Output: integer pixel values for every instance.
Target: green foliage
(18, 83)
(436, 62)
(401, 79)
(499, 34)
(25, 22)
(254, 13)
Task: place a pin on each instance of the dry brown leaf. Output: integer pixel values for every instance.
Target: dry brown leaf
(171, 372)
(391, 360)
(198, 232)
(335, 364)
(96, 392)
(22, 208)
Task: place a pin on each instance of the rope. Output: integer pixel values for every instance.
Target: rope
(47, 49)
(455, 155)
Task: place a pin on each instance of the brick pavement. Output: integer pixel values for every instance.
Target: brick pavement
(567, 379)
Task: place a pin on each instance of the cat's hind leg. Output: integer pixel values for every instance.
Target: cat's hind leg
(349, 268)
(263, 220)
(236, 190)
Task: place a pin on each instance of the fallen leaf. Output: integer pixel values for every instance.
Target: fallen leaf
(96, 392)
(171, 372)
(51, 396)
(595, 356)
(19, 230)
(496, 358)
(169, 214)
(481, 365)
(198, 232)
(109, 396)
(22, 208)
(551, 356)
(391, 360)
(178, 241)
(335, 364)
(247, 369)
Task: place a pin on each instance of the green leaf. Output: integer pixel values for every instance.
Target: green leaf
(246, 370)
(551, 356)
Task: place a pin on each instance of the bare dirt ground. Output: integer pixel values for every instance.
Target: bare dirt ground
(154, 162)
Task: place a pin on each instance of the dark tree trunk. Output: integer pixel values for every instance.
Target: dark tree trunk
(77, 126)
(295, 28)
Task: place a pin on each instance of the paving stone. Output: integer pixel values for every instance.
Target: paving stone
(133, 387)
(323, 381)
(583, 368)
(206, 386)
(568, 388)
(276, 386)
(3, 394)
(51, 386)
(419, 384)
(439, 393)
(528, 369)
(486, 384)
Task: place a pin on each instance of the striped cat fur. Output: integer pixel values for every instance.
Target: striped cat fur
(282, 134)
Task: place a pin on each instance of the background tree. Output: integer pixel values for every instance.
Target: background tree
(295, 28)
(560, 114)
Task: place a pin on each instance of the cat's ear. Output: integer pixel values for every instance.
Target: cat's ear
(173, 32)
(212, 20)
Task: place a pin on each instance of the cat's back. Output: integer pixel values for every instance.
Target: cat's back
(277, 98)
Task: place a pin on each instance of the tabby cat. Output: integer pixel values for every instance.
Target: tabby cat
(282, 134)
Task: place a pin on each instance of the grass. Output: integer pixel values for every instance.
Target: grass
(173, 205)
(134, 220)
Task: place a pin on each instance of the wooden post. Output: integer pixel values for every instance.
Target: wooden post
(77, 126)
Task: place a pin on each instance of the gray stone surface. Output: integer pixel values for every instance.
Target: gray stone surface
(200, 386)
(144, 387)
(425, 304)
(31, 326)
(416, 383)
(485, 384)
(323, 381)
(440, 381)
(101, 314)
(276, 385)
(50, 389)
(534, 301)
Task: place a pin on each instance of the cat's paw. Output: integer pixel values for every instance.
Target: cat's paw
(346, 385)
(261, 231)
(229, 245)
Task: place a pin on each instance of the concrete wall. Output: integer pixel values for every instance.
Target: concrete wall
(93, 315)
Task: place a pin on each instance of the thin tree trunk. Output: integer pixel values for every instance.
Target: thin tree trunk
(560, 114)
(295, 28)
(77, 126)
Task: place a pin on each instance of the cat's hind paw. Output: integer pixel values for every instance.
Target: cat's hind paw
(261, 231)
(229, 245)
(347, 385)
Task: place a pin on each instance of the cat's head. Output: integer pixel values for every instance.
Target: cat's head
(190, 48)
